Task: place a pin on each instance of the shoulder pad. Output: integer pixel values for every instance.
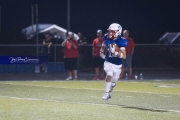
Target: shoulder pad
(123, 42)
(105, 36)
(123, 38)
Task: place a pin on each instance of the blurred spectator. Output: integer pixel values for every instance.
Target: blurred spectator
(82, 50)
(97, 60)
(47, 43)
(58, 39)
(129, 52)
(70, 55)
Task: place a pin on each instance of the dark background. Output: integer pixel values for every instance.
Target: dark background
(147, 20)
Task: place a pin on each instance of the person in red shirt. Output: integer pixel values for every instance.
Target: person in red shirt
(70, 55)
(97, 60)
(129, 52)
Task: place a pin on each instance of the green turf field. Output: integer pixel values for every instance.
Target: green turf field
(81, 100)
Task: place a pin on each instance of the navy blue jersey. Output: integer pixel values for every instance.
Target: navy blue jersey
(121, 42)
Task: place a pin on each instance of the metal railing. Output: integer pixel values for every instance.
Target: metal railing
(145, 57)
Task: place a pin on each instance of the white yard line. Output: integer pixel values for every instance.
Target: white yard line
(106, 105)
(58, 97)
(95, 97)
(129, 96)
(83, 88)
(165, 96)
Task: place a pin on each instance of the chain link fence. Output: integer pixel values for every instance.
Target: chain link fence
(146, 57)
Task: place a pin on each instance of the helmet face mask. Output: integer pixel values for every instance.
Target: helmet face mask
(114, 31)
(112, 34)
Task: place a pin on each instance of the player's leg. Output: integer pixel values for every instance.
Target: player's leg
(117, 71)
(106, 96)
(109, 73)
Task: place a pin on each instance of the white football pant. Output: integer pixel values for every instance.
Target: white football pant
(112, 70)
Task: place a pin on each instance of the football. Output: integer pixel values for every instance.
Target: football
(116, 47)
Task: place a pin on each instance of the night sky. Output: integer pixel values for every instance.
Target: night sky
(147, 20)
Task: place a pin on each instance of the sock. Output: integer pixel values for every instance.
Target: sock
(113, 84)
(70, 77)
(107, 86)
(75, 76)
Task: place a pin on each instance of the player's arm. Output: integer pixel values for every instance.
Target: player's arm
(122, 53)
(103, 48)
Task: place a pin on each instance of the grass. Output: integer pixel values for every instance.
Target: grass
(81, 100)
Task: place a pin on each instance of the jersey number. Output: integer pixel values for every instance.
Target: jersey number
(111, 54)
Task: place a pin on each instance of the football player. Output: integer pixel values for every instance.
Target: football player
(115, 46)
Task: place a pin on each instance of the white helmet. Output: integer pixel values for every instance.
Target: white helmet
(114, 30)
